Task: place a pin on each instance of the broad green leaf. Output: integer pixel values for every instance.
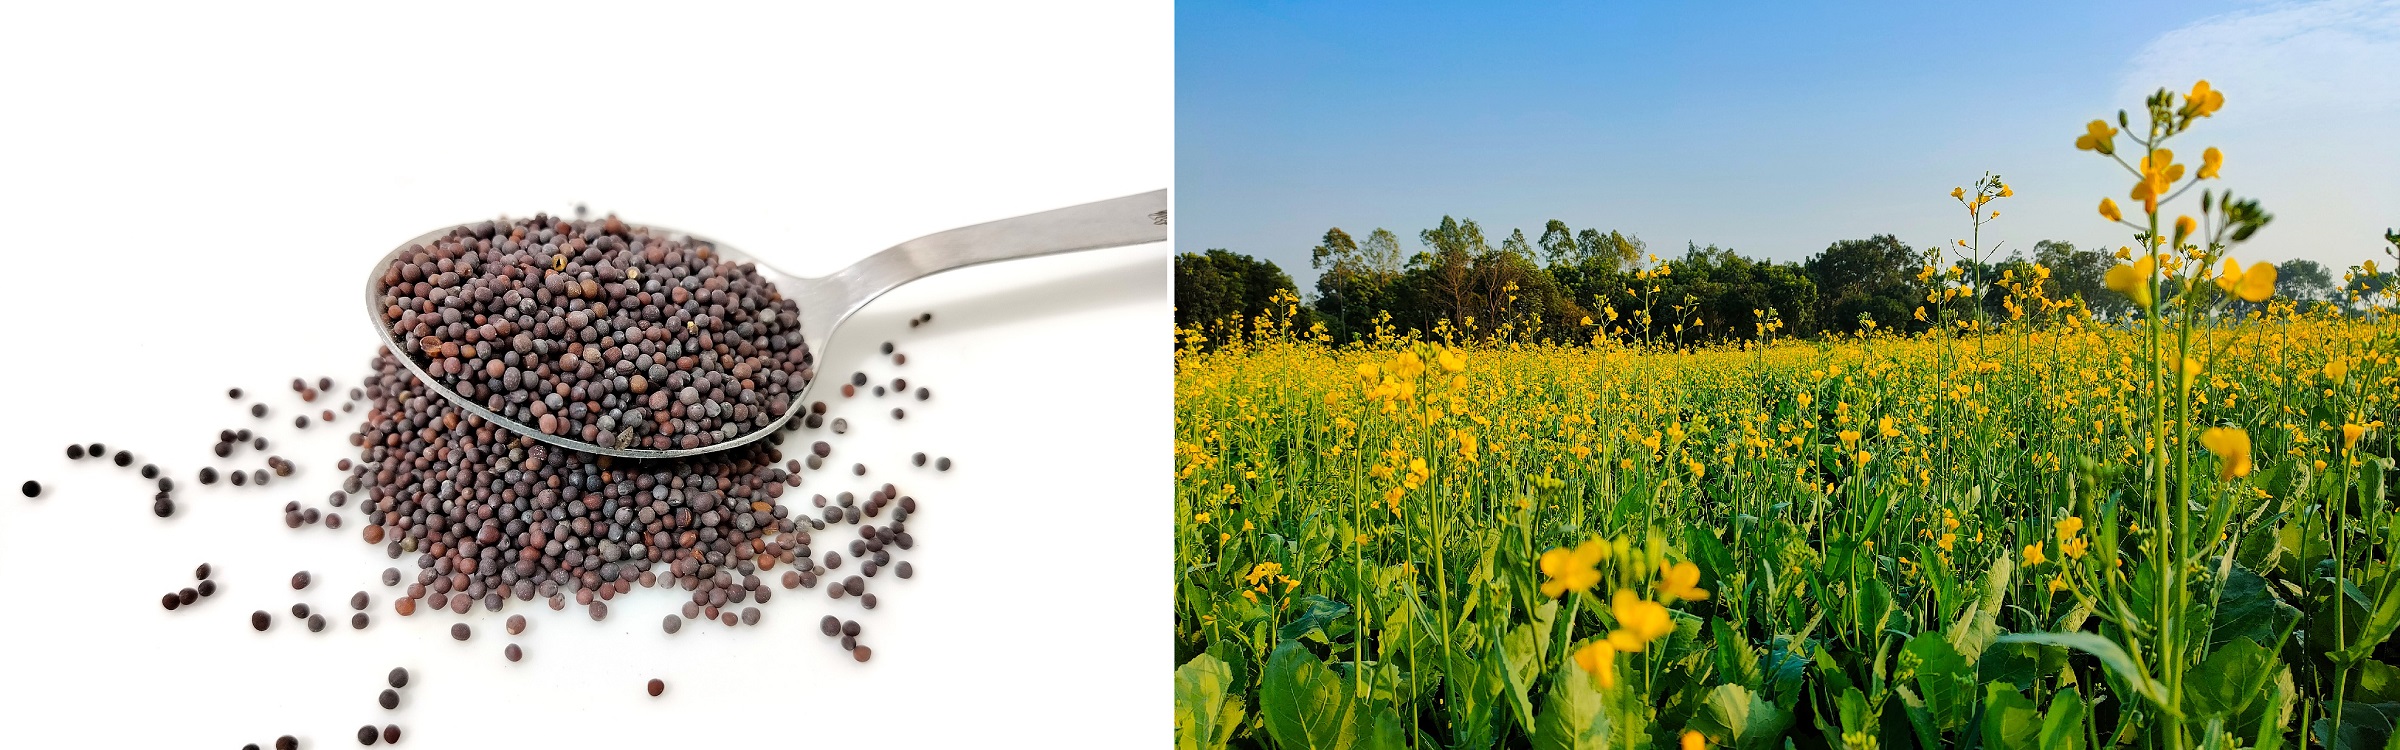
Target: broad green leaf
(1313, 614)
(2228, 680)
(2247, 608)
(2010, 721)
(1732, 716)
(1829, 673)
(1737, 660)
(2012, 663)
(1786, 674)
(1236, 659)
(1574, 713)
(2377, 682)
(1700, 542)
(2062, 727)
(1976, 628)
(1857, 720)
(1305, 704)
(1945, 681)
(1871, 607)
(2363, 726)
(1208, 704)
(2110, 654)
(1920, 720)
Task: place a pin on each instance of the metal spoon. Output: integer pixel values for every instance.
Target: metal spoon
(828, 300)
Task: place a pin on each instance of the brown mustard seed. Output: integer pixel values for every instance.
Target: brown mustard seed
(656, 687)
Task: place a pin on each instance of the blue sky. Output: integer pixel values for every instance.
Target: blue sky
(1770, 128)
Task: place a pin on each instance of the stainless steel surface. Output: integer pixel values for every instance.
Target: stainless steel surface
(825, 302)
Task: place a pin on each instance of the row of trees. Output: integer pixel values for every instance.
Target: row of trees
(1549, 287)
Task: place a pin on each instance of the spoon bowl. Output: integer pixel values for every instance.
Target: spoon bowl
(826, 301)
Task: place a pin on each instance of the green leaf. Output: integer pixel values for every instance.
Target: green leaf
(2010, 721)
(2379, 623)
(1207, 705)
(2012, 663)
(1305, 705)
(1236, 659)
(1858, 720)
(2228, 680)
(1733, 716)
(1829, 673)
(1976, 628)
(1943, 677)
(1315, 614)
(1737, 660)
(2248, 608)
(1872, 607)
(1786, 674)
(2377, 682)
(1700, 542)
(2364, 726)
(2110, 654)
(2062, 727)
(1519, 649)
(1574, 713)
(2274, 714)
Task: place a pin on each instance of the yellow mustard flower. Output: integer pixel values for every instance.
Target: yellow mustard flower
(1572, 571)
(2255, 284)
(1680, 581)
(2108, 210)
(2184, 227)
(2203, 101)
(1599, 658)
(1693, 740)
(2033, 554)
(2351, 433)
(2159, 175)
(2337, 371)
(2097, 136)
(2132, 280)
(2232, 447)
(1639, 621)
(2210, 161)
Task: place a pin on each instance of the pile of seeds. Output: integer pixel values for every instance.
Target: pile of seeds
(191, 594)
(599, 331)
(491, 515)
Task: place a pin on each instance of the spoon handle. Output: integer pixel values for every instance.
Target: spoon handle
(1116, 222)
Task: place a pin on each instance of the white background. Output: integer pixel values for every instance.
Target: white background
(190, 196)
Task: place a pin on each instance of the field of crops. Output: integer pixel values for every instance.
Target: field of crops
(2039, 529)
(1881, 542)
